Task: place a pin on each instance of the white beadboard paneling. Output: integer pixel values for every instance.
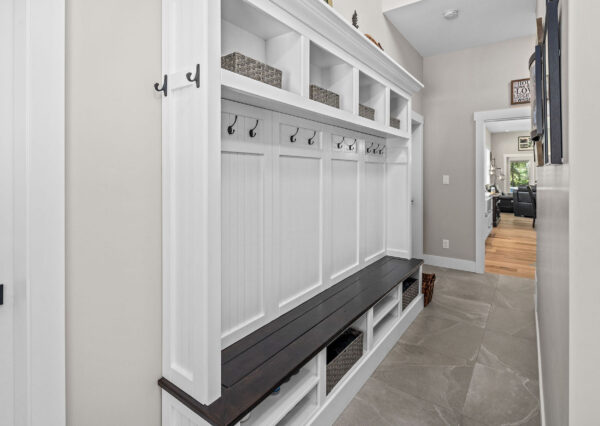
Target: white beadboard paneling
(300, 230)
(398, 208)
(374, 209)
(242, 240)
(344, 216)
(246, 210)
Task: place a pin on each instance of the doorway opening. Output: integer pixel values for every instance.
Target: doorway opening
(506, 193)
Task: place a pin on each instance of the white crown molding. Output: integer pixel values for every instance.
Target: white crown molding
(330, 24)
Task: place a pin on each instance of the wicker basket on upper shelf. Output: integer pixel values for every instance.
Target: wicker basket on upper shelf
(248, 67)
(394, 122)
(366, 112)
(324, 96)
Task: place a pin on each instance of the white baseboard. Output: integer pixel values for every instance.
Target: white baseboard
(540, 377)
(345, 391)
(450, 262)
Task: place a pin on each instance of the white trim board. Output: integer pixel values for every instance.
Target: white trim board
(540, 379)
(450, 262)
(34, 271)
(481, 118)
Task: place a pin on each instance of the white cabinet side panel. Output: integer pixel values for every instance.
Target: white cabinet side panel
(191, 198)
(398, 205)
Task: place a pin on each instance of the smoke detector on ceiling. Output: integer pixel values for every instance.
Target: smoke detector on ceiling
(451, 14)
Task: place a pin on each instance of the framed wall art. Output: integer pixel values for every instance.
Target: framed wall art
(525, 143)
(520, 93)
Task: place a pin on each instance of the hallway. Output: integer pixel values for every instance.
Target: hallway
(511, 247)
(470, 358)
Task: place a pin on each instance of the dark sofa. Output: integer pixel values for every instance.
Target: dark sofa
(522, 203)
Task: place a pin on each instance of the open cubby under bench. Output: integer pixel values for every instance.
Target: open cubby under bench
(256, 365)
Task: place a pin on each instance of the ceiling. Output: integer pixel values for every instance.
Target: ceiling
(509, 126)
(479, 22)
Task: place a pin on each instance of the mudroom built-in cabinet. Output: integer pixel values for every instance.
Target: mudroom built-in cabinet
(286, 211)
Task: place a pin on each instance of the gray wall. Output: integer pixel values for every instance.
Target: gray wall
(113, 190)
(457, 85)
(372, 21)
(504, 143)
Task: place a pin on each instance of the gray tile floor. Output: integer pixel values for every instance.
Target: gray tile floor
(470, 358)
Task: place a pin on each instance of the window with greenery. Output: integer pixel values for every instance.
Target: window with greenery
(519, 173)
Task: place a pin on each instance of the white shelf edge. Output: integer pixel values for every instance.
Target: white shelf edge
(239, 88)
(382, 314)
(281, 408)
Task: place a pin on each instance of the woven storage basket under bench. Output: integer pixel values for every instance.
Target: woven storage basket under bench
(410, 290)
(342, 354)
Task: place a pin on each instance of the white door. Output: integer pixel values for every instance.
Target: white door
(32, 218)
(6, 137)
(417, 186)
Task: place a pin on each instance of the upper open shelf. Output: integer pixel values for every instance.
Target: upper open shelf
(247, 30)
(329, 72)
(345, 93)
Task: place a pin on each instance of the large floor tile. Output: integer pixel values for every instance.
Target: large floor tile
(507, 352)
(458, 309)
(468, 285)
(501, 397)
(379, 404)
(449, 337)
(514, 322)
(523, 285)
(521, 300)
(426, 374)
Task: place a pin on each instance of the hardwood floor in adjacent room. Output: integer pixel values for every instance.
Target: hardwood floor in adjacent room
(510, 248)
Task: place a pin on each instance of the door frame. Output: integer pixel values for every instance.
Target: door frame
(481, 119)
(419, 121)
(33, 171)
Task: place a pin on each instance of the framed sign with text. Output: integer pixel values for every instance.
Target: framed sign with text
(520, 93)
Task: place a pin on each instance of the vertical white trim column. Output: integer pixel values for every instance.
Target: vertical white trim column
(37, 281)
(192, 197)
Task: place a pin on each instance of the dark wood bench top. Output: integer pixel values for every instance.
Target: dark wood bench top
(257, 364)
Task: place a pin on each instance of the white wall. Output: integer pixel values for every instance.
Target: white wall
(113, 210)
(371, 20)
(584, 210)
(552, 269)
(458, 84)
(506, 143)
